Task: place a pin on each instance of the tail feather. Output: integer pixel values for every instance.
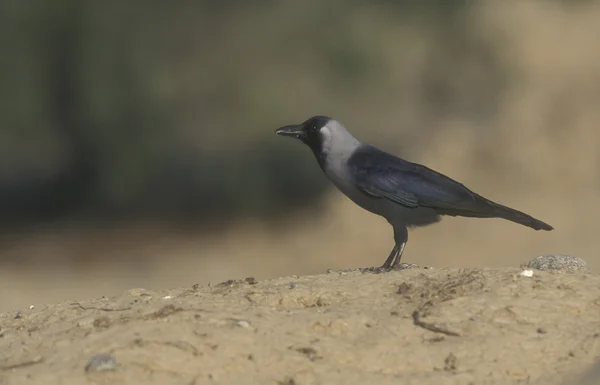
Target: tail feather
(489, 209)
(517, 216)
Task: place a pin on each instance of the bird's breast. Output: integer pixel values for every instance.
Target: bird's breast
(341, 178)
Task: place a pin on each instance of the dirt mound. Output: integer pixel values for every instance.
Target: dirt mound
(418, 326)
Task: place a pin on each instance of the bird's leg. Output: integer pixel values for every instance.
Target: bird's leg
(401, 238)
(399, 255)
(388, 262)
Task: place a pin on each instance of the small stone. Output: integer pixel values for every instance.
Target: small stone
(541, 331)
(292, 285)
(242, 324)
(558, 262)
(19, 315)
(101, 363)
(526, 273)
(251, 281)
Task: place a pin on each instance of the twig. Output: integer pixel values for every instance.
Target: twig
(99, 308)
(431, 327)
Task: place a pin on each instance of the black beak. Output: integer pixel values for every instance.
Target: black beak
(295, 130)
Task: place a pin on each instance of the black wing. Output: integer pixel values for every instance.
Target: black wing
(383, 175)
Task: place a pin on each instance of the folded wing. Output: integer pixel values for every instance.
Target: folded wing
(384, 176)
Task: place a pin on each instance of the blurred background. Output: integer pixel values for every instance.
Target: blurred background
(137, 145)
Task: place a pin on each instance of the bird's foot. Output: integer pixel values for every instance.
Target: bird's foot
(385, 269)
(405, 266)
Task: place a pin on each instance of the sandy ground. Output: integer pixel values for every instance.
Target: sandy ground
(417, 326)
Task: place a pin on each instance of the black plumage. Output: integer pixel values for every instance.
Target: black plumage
(381, 175)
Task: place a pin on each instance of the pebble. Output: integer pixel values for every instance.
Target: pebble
(242, 324)
(526, 273)
(558, 262)
(101, 363)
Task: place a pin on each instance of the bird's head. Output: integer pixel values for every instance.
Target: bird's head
(309, 132)
(325, 137)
